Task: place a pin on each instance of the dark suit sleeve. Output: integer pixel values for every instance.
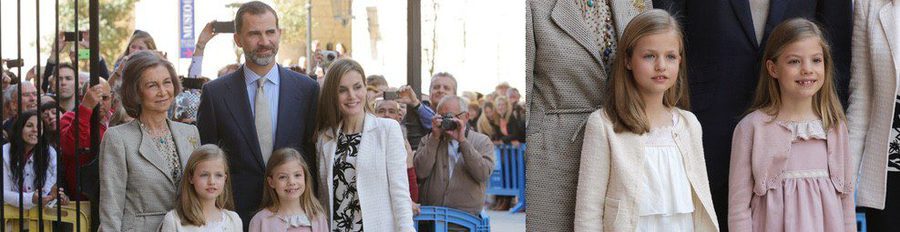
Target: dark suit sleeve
(206, 119)
(309, 145)
(836, 16)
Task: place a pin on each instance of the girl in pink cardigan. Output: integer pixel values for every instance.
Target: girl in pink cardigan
(790, 161)
(288, 203)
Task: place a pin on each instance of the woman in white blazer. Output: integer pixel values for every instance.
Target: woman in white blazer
(362, 159)
(873, 111)
(142, 161)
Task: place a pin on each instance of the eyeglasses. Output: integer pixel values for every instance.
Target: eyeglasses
(455, 115)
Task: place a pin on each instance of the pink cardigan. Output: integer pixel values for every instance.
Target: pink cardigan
(759, 153)
(265, 221)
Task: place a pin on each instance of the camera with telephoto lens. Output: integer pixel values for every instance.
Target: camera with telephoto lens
(447, 123)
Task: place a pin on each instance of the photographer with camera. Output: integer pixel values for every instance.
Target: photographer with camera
(417, 118)
(453, 163)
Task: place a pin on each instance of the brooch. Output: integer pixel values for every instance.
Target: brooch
(639, 4)
(194, 141)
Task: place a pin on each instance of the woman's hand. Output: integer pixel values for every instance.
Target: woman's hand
(205, 35)
(62, 198)
(415, 208)
(408, 96)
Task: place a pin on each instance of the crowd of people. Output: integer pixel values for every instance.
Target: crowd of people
(259, 148)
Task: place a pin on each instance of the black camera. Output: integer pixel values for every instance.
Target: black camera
(71, 36)
(447, 123)
(329, 56)
(223, 27)
(17, 63)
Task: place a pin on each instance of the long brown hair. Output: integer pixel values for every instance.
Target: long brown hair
(308, 200)
(188, 208)
(623, 103)
(768, 91)
(328, 114)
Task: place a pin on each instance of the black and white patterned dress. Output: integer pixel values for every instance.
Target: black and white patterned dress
(894, 149)
(347, 214)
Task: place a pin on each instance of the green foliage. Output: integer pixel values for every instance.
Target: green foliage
(292, 16)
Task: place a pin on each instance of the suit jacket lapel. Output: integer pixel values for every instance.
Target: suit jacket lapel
(239, 106)
(623, 11)
(368, 142)
(888, 23)
(742, 11)
(326, 146)
(184, 142)
(152, 154)
(287, 100)
(369, 162)
(776, 16)
(562, 15)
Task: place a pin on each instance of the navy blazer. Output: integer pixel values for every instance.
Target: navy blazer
(224, 118)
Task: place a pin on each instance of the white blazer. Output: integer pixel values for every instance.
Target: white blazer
(873, 88)
(380, 171)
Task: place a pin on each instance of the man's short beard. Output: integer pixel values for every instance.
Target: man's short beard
(261, 61)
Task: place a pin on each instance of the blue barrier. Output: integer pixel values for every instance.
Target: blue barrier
(861, 222)
(508, 178)
(442, 217)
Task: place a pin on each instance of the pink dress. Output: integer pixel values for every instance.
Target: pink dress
(267, 221)
(806, 198)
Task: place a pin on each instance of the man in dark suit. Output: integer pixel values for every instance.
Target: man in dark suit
(259, 108)
(725, 42)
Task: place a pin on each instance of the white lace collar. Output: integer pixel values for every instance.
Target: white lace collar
(296, 220)
(804, 130)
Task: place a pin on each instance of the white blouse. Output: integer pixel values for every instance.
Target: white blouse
(229, 222)
(10, 186)
(667, 203)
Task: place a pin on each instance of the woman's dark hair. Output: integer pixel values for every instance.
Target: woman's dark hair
(17, 152)
(50, 105)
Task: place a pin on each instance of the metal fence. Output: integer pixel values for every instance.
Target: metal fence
(58, 217)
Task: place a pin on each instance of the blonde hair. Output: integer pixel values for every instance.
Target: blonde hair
(308, 200)
(504, 116)
(768, 91)
(623, 103)
(188, 208)
(484, 122)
